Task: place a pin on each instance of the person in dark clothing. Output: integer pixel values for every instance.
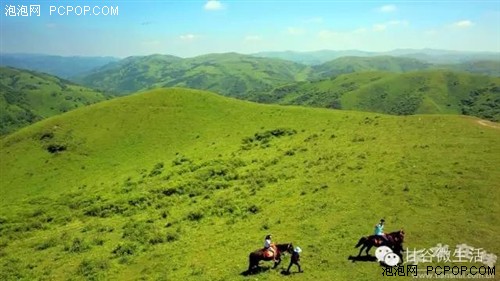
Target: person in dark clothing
(295, 259)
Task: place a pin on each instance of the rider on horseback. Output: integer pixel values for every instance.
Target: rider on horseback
(268, 246)
(379, 230)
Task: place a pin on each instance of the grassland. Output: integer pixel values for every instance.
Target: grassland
(177, 184)
(28, 96)
(229, 74)
(348, 64)
(385, 84)
(418, 92)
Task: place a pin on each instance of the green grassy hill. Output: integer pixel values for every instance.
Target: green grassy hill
(345, 65)
(60, 66)
(486, 67)
(27, 97)
(422, 92)
(177, 184)
(229, 74)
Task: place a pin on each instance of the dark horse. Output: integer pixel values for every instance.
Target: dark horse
(259, 255)
(394, 240)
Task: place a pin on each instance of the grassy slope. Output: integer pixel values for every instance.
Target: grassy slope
(322, 186)
(345, 65)
(424, 92)
(28, 96)
(228, 74)
(486, 67)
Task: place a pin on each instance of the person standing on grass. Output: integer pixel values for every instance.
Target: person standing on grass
(295, 259)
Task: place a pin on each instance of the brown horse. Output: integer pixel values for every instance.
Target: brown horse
(260, 254)
(394, 240)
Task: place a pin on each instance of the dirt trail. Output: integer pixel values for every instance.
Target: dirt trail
(489, 124)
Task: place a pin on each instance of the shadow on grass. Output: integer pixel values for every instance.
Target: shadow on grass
(255, 271)
(284, 272)
(362, 258)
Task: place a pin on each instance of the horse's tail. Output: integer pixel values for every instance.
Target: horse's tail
(361, 242)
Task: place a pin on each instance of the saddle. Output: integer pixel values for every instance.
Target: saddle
(270, 252)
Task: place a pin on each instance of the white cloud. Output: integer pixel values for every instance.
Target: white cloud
(252, 38)
(295, 31)
(383, 26)
(188, 37)
(387, 9)
(463, 24)
(213, 5)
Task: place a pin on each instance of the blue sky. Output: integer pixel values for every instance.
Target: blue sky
(189, 28)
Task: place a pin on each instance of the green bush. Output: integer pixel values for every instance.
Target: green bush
(78, 245)
(93, 269)
(51, 242)
(125, 249)
(158, 169)
(195, 216)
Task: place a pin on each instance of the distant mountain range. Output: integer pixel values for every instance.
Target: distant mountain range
(238, 75)
(229, 74)
(79, 66)
(426, 55)
(64, 67)
(399, 85)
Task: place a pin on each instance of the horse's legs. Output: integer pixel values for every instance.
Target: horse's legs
(361, 249)
(277, 262)
(368, 249)
(251, 265)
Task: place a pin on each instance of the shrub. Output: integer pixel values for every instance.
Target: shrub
(125, 249)
(46, 244)
(171, 236)
(78, 245)
(179, 160)
(93, 269)
(195, 216)
(156, 238)
(254, 209)
(157, 169)
(55, 148)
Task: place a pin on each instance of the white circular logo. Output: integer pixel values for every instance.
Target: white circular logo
(381, 252)
(391, 259)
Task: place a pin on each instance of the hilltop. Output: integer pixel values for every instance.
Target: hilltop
(175, 184)
(230, 74)
(418, 92)
(29, 96)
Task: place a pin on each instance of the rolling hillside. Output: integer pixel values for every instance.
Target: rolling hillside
(178, 184)
(65, 67)
(486, 67)
(396, 85)
(346, 65)
(420, 92)
(229, 74)
(27, 97)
